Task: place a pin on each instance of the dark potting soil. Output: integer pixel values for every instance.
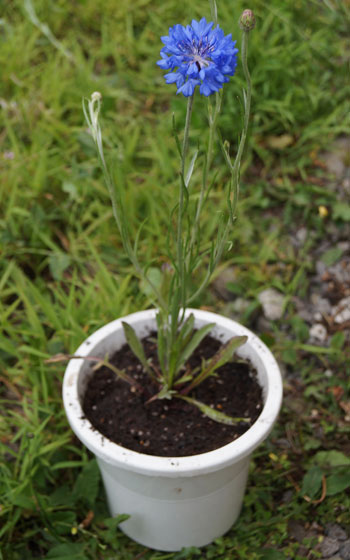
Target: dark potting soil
(171, 428)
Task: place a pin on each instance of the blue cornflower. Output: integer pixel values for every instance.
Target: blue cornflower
(198, 55)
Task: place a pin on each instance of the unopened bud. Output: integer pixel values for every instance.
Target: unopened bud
(247, 20)
(96, 96)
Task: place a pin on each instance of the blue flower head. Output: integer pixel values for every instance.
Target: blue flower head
(198, 55)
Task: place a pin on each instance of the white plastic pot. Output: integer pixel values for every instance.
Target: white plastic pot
(181, 501)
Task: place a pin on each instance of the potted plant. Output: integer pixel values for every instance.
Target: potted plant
(177, 498)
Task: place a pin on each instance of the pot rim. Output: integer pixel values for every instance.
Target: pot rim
(153, 465)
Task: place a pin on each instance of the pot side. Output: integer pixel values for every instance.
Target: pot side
(173, 502)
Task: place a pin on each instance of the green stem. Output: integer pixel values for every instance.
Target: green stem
(91, 116)
(204, 189)
(180, 248)
(247, 102)
(214, 12)
(186, 134)
(234, 172)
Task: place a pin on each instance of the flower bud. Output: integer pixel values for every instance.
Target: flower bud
(96, 96)
(247, 20)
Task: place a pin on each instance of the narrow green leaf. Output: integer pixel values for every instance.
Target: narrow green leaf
(190, 169)
(185, 378)
(195, 340)
(67, 465)
(187, 328)
(33, 351)
(176, 136)
(136, 347)
(174, 313)
(223, 356)
(165, 393)
(161, 343)
(224, 149)
(212, 413)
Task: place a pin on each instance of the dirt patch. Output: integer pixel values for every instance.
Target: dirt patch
(171, 427)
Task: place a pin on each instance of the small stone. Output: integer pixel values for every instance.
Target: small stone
(335, 531)
(345, 550)
(346, 185)
(344, 246)
(318, 332)
(341, 312)
(323, 306)
(301, 235)
(296, 530)
(263, 325)
(320, 267)
(329, 547)
(315, 298)
(240, 305)
(272, 303)
(220, 283)
(336, 158)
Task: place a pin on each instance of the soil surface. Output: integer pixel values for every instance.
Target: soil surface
(171, 428)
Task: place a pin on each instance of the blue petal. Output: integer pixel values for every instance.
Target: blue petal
(192, 70)
(173, 77)
(164, 64)
(188, 88)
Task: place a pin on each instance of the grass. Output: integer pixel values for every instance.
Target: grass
(64, 274)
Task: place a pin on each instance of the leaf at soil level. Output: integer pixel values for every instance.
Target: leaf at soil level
(342, 211)
(62, 521)
(73, 551)
(214, 414)
(110, 534)
(337, 340)
(337, 483)
(86, 486)
(332, 458)
(312, 482)
(272, 554)
(58, 263)
(331, 256)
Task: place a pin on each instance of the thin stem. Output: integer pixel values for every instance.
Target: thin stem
(186, 133)
(234, 172)
(217, 257)
(212, 129)
(180, 247)
(92, 115)
(247, 101)
(214, 12)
